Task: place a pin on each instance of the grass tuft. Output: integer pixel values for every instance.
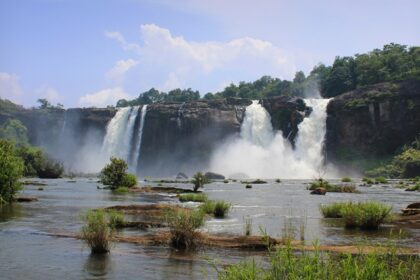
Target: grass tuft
(195, 197)
(96, 232)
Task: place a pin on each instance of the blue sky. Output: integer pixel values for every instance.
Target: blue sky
(94, 52)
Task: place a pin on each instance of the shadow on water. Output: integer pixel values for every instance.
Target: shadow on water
(98, 266)
(10, 211)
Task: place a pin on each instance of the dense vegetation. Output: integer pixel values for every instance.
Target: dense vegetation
(115, 175)
(36, 162)
(404, 165)
(11, 170)
(97, 230)
(393, 62)
(284, 263)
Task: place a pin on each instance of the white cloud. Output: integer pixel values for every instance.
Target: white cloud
(117, 72)
(49, 93)
(175, 61)
(10, 88)
(104, 97)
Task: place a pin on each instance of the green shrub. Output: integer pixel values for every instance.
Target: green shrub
(199, 180)
(96, 232)
(11, 170)
(332, 210)
(248, 186)
(225, 181)
(115, 218)
(414, 188)
(183, 225)
(33, 159)
(346, 179)
(195, 197)
(366, 215)
(278, 181)
(207, 207)
(221, 208)
(129, 180)
(115, 174)
(321, 183)
(258, 181)
(381, 180)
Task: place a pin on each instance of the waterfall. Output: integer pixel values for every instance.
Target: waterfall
(114, 143)
(260, 152)
(140, 136)
(310, 139)
(180, 114)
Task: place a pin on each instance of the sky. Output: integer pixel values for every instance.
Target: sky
(84, 53)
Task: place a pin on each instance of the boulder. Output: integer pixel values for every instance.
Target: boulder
(319, 191)
(412, 209)
(214, 176)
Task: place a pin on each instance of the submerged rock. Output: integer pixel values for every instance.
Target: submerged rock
(319, 191)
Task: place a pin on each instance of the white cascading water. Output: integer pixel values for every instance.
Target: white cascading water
(114, 142)
(262, 153)
(140, 136)
(128, 134)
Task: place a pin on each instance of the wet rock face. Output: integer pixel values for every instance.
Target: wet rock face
(286, 114)
(182, 136)
(373, 121)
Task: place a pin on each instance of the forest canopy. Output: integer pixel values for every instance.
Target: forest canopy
(394, 62)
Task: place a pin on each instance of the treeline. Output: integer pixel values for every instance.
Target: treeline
(393, 62)
(36, 163)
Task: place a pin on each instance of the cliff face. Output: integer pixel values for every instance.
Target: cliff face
(176, 136)
(181, 136)
(373, 121)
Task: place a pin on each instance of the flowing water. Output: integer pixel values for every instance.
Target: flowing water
(140, 137)
(28, 249)
(262, 152)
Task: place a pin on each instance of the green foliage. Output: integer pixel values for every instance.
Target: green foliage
(199, 180)
(321, 183)
(51, 169)
(183, 225)
(217, 208)
(11, 170)
(278, 181)
(96, 231)
(122, 190)
(115, 218)
(248, 226)
(258, 181)
(381, 180)
(332, 210)
(44, 104)
(195, 197)
(33, 159)
(221, 208)
(366, 215)
(115, 174)
(284, 263)
(14, 130)
(393, 63)
(346, 179)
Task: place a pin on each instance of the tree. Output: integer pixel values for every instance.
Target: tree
(44, 103)
(15, 131)
(33, 159)
(11, 170)
(199, 180)
(115, 174)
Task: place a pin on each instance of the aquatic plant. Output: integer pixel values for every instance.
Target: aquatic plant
(284, 263)
(321, 183)
(115, 218)
(258, 181)
(278, 181)
(248, 226)
(248, 186)
(122, 190)
(96, 232)
(225, 181)
(183, 225)
(207, 207)
(346, 179)
(380, 180)
(195, 197)
(365, 215)
(221, 208)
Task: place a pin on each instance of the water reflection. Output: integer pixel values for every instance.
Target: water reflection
(98, 266)
(10, 211)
